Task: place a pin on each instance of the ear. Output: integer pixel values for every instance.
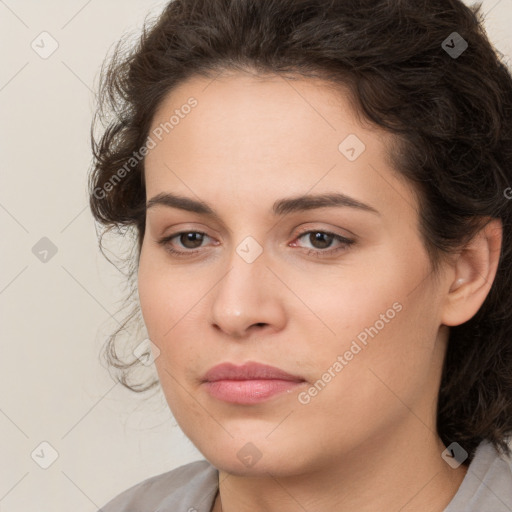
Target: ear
(473, 274)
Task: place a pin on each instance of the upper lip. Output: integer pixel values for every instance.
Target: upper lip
(248, 371)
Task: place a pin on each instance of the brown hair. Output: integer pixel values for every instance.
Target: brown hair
(452, 116)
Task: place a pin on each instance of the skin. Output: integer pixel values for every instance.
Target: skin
(367, 441)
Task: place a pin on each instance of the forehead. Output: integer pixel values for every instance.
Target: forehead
(253, 135)
(260, 114)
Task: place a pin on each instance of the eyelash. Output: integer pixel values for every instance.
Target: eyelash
(345, 244)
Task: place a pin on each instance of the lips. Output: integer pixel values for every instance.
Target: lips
(249, 384)
(248, 371)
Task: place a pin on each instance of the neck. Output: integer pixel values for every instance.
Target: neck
(404, 473)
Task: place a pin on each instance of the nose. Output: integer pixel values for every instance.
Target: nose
(248, 299)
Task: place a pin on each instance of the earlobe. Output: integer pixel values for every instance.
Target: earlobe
(474, 272)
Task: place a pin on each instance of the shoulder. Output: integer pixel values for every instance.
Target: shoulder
(487, 484)
(188, 488)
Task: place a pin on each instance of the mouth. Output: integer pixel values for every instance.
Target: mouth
(250, 383)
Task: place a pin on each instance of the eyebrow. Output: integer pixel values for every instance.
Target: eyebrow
(280, 207)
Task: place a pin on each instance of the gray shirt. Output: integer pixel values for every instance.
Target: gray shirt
(487, 487)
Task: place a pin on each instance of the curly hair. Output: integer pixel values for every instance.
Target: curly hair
(451, 114)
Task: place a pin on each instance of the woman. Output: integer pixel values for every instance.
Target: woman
(320, 192)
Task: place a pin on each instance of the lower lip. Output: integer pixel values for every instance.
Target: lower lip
(249, 391)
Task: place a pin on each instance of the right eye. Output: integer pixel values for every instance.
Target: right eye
(190, 240)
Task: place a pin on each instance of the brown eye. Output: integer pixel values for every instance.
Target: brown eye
(191, 240)
(320, 240)
(320, 243)
(183, 243)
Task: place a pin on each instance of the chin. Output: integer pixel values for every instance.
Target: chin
(254, 458)
(230, 463)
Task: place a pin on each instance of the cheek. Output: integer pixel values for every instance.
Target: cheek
(380, 340)
(365, 388)
(172, 306)
(153, 299)
(162, 305)
(347, 300)
(166, 294)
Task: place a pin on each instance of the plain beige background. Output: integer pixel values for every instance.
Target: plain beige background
(56, 314)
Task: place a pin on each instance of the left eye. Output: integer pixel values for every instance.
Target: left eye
(321, 241)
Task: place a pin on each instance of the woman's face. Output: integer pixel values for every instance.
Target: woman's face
(337, 292)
